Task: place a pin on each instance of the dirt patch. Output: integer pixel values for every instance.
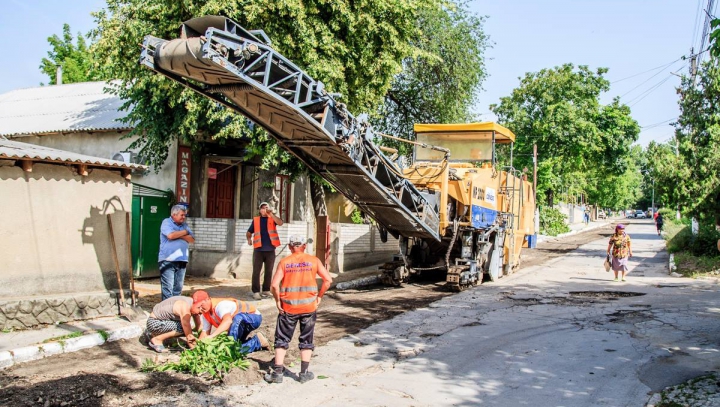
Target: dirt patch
(630, 316)
(110, 375)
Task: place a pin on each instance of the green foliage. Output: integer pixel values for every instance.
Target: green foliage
(355, 48)
(62, 338)
(583, 146)
(696, 180)
(357, 217)
(677, 235)
(214, 357)
(552, 222)
(439, 82)
(75, 59)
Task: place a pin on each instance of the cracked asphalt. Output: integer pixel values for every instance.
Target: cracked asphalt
(559, 333)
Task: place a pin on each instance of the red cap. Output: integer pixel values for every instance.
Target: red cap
(199, 296)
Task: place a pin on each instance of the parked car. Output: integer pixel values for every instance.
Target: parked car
(629, 214)
(640, 214)
(601, 214)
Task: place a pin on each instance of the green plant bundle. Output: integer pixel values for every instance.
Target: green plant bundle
(552, 222)
(214, 357)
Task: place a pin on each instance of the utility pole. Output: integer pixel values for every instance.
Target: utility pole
(535, 170)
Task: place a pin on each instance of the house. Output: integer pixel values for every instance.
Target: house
(55, 242)
(220, 186)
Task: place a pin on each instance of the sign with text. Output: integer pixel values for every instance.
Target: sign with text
(182, 185)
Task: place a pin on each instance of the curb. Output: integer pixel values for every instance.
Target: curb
(542, 238)
(9, 358)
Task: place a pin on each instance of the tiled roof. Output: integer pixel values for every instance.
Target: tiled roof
(75, 107)
(15, 150)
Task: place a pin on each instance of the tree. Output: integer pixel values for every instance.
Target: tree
(355, 48)
(440, 83)
(698, 135)
(560, 110)
(75, 59)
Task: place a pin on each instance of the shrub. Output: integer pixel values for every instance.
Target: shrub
(552, 222)
(215, 356)
(705, 243)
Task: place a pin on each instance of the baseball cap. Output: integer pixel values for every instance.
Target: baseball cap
(199, 296)
(620, 226)
(263, 203)
(296, 240)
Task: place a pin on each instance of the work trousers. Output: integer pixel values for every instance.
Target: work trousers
(242, 325)
(172, 276)
(259, 259)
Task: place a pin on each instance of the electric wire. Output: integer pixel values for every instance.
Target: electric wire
(642, 96)
(650, 126)
(648, 79)
(644, 72)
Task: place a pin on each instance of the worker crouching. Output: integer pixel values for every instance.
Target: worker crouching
(229, 316)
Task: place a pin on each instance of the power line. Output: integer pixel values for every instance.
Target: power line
(642, 96)
(649, 70)
(650, 126)
(697, 24)
(648, 79)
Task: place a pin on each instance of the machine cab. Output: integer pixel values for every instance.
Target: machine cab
(467, 142)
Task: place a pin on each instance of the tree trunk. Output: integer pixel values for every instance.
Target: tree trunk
(549, 194)
(317, 194)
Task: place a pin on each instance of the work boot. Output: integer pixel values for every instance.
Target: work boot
(274, 377)
(256, 296)
(306, 377)
(263, 340)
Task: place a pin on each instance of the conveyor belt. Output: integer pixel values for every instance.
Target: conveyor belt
(223, 61)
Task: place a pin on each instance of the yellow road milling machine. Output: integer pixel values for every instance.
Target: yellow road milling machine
(452, 210)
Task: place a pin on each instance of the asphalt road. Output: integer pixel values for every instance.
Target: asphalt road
(556, 334)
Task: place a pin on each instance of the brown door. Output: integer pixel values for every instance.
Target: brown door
(282, 191)
(221, 191)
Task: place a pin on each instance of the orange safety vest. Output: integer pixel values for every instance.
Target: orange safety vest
(241, 306)
(298, 288)
(271, 229)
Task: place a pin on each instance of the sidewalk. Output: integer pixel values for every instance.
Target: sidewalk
(33, 344)
(578, 228)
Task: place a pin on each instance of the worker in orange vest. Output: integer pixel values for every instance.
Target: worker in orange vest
(263, 236)
(297, 297)
(228, 315)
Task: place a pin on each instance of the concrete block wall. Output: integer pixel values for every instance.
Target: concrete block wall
(210, 234)
(355, 246)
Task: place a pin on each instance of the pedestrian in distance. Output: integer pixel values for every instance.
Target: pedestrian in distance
(175, 239)
(262, 235)
(231, 317)
(659, 223)
(621, 249)
(297, 298)
(169, 319)
(586, 217)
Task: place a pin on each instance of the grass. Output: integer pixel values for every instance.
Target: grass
(693, 266)
(64, 337)
(678, 238)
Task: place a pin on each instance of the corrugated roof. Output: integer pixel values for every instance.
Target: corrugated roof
(15, 150)
(74, 107)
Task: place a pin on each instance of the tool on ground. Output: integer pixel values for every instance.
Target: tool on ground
(124, 309)
(130, 260)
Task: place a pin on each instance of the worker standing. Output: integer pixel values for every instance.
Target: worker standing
(262, 235)
(297, 298)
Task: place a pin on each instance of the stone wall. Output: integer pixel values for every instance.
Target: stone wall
(29, 312)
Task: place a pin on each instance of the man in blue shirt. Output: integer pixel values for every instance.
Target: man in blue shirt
(175, 238)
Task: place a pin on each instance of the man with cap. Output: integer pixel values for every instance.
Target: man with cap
(228, 315)
(297, 297)
(621, 249)
(262, 235)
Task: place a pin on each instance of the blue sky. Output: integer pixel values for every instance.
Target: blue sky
(626, 36)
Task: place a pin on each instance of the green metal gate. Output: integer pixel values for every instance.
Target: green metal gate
(150, 207)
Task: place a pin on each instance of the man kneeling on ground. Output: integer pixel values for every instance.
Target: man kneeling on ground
(297, 297)
(168, 319)
(227, 315)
